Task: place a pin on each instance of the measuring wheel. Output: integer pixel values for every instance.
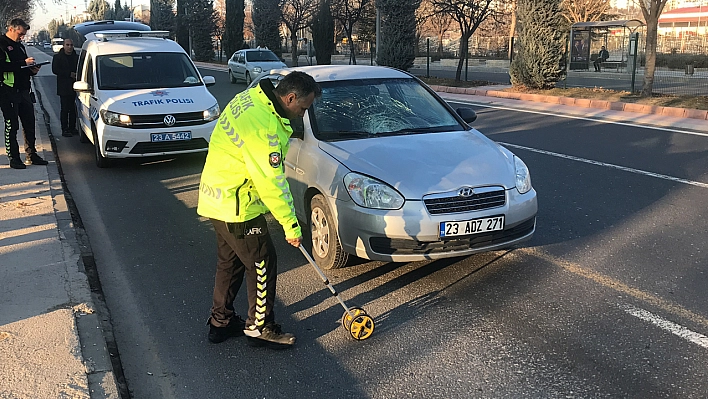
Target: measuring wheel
(359, 324)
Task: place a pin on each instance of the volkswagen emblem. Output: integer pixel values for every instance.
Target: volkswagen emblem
(169, 120)
(465, 192)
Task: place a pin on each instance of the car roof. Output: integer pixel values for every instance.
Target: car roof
(330, 73)
(93, 26)
(135, 45)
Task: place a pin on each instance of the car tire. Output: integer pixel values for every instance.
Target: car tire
(248, 78)
(231, 77)
(326, 248)
(82, 135)
(101, 161)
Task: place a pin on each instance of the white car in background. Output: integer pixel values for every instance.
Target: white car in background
(248, 64)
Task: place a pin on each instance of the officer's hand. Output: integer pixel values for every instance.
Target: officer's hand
(29, 61)
(295, 242)
(35, 69)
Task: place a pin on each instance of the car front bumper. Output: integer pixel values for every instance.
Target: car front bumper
(412, 233)
(121, 142)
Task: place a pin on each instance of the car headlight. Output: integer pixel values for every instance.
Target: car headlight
(114, 118)
(212, 113)
(257, 69)
(372, 193)
(523, 177)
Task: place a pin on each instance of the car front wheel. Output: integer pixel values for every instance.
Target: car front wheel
(231, 77)
(248, 78)
(326, 247)
(101, 161)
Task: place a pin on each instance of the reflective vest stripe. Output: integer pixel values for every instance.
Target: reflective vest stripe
(8, 78)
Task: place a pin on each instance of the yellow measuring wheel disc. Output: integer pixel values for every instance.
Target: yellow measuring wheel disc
(351, 315)
(361, 327)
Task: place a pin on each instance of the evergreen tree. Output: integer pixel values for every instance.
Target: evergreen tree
(323, 33)
(398, 38)
(540, 45)
(233, 32)
(161, 15)
(266, 23)
(202, 20)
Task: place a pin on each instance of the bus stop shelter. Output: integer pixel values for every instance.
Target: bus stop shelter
(586, 38)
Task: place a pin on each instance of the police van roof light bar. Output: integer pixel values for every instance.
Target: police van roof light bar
(104, 36)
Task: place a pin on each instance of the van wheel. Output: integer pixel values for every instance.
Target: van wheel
(231, 77)
(82, 135)
(101, 161)
(326, 248)
(248, 78)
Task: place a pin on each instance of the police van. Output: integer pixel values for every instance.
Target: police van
(140, 95)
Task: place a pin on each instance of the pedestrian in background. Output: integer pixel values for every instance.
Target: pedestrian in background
(243, 179)
(16, 97)
(64, 66)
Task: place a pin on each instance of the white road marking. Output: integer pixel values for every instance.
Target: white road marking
(609, 165)
(676, 329)
(585, 118)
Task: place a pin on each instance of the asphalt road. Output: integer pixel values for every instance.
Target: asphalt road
(607, 300)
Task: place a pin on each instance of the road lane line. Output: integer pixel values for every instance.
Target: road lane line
(609, 165)
(584, 118)
(616, 285)
(676, 329)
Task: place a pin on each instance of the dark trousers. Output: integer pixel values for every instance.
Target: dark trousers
(598, 63)
(244, 247)
(17, 106)
(67, 115)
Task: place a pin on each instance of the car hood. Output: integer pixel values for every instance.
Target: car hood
(268, 65)
(152, 101)
(421, 164)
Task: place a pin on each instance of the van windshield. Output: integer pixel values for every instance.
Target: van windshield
(145, 71)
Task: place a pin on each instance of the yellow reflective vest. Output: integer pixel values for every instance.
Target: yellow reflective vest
(244, 176)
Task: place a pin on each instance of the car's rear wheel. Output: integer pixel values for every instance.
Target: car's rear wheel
(101, 161)
(326, 247)
(231, 77)
(248, 78)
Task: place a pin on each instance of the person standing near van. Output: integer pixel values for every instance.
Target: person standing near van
(243, 179)
(16, 99)
(64, 66)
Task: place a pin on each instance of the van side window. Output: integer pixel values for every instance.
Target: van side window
(89, 74)
(80, 67)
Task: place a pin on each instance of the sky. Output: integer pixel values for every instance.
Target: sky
(53, 9)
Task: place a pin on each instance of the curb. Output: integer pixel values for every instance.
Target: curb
(580, 102)
(91, 315)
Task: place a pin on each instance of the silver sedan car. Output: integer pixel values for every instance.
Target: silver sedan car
(383, 169)
(249, 63)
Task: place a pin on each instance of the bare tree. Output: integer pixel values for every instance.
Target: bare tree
(348, 13)
(468, 14)
(651, 9)
(585, 10)
(10, 9)
(439, 23)
(297, 15)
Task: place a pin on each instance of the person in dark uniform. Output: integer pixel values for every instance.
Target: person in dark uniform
(64, 66)
(602, 56)
(16, 99)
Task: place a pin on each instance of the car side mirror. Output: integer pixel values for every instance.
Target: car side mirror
(209, 80)
(298, 126)
(467, 114)
(81, 87)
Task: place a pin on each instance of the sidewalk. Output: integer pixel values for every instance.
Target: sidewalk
(51, 343)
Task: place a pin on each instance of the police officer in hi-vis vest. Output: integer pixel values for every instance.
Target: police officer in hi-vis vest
(243, 179)
(15, 99)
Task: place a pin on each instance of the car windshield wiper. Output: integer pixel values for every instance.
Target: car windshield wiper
(344, 135)
(401, 132)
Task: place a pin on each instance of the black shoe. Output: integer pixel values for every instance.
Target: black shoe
(270, 336)
(66, 133)
(15, 163)
(34, 159)
(221, 334)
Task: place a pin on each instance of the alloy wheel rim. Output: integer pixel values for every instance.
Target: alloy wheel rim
(320, 233)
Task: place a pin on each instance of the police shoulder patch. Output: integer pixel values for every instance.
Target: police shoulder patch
(274, 159)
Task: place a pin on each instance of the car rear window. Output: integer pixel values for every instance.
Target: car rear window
(145, 71)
